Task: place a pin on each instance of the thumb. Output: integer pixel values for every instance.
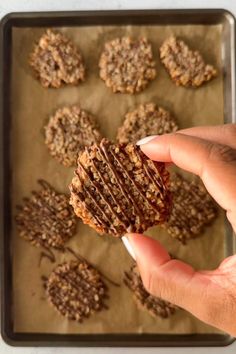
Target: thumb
(178, 283)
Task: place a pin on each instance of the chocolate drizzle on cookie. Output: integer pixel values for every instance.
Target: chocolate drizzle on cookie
(154, 305)
(117, 189)
(82, 259)
(46, 218)
(76, 290)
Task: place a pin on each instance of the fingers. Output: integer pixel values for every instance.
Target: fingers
(187, 152)
(180, 284)
(214, 163)
(223, 134)
(161, 275)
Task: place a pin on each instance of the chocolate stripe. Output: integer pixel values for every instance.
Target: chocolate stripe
(76, 290)
(150, 173)
(126, 193)
(134, 183)
(91, 211)
(95, 202)
(113, 196)
(99, 190)
(46, 219)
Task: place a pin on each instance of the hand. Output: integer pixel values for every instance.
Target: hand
(209, 152)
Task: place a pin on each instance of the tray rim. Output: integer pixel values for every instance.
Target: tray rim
(83, 340)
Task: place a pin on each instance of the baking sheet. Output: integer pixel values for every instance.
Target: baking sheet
(31, 105)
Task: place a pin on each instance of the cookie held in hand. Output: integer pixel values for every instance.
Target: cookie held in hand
(56, 61)
(117, 189)
(46, 219)
(185, 66)
(76, 290)
(154, 305)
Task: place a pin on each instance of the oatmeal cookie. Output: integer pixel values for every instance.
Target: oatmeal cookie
(68, 131)
(193, 209)
(76, 290)
(117, 189)
(146, 119)
(154, 305)
(185, 66)
(56, 61)
(127, 65)
(46, 219)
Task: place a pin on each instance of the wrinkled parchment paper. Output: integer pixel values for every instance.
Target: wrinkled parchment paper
(31, 107)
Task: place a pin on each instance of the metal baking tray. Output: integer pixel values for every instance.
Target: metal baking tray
(143, 17)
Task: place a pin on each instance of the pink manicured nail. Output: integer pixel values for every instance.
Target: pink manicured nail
(146, 140)
(128, 247)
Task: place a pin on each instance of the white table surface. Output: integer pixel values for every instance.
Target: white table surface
(7, 6)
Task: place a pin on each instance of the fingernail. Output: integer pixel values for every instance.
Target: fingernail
(146, 140)
(128, 247)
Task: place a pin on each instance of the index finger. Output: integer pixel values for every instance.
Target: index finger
(222, 134)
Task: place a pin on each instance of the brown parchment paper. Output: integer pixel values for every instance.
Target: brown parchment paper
(31, 105)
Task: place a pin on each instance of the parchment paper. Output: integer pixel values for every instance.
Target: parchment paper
(31, 105)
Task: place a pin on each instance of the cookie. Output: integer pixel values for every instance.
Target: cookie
(117, 189)
(56, 61)
(154, 305)
(185, 66)
(76, 290)
(146, 119)
(67, 133)
(46, 219)
(193, 209)
(127, 65)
